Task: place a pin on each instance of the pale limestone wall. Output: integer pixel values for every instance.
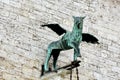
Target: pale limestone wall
(23, 42)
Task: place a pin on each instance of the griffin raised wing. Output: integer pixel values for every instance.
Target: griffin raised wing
(56, 28)
(59, 30)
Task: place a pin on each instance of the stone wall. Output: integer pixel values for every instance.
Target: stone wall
(23, 42)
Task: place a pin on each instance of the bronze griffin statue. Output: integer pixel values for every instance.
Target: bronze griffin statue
(70, 40)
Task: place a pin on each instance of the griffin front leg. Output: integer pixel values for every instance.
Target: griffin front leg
(76, 50)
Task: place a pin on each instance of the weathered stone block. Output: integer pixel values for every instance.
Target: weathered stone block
(23, 42)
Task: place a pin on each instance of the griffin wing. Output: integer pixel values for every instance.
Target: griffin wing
(89, 38)
(59, 30)
(56, 28)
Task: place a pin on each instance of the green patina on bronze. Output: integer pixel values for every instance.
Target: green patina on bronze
(70, 40)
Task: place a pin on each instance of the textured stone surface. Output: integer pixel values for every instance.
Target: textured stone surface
(23, 42)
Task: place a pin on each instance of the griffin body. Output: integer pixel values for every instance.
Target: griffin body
(70, 40)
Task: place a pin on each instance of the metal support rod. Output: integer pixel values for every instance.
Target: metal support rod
(71, 71)
(77, 73)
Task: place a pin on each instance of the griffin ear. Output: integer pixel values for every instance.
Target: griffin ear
(73, 17)
(84, 17)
